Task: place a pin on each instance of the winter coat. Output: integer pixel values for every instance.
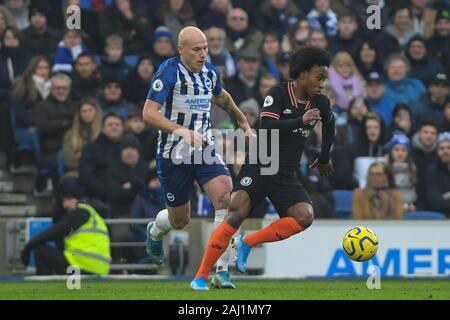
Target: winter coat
(407, 90)
(423, 158)
(114, 70)
(13, 62)
(363, 208)
(53, 119)
(96, 158)
(42, 43)
(85, 87)
(437, 182)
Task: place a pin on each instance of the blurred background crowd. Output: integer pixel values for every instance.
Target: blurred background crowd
(71, 100)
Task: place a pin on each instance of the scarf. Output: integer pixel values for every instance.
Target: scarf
(416, 143)
(339, 84)
(403, 181)
(42, 85)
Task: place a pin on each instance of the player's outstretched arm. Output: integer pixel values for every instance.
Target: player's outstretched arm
(226, 103)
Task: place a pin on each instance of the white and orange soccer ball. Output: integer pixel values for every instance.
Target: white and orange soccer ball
(360, 244)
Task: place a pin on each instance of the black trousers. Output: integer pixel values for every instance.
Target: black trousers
(50, 260)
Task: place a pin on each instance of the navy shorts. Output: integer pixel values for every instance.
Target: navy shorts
(177, 180)
(283, 190)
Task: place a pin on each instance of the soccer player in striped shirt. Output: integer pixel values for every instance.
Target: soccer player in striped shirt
(178, 104)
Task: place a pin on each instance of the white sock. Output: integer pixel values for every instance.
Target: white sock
(222, 263)
(162, 225)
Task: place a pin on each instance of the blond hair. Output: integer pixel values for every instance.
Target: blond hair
(114, 40)
(95, 127)
(345, 58)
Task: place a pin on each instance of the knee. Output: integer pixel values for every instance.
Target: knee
(223, 201)
(180, 223)
(305, 217)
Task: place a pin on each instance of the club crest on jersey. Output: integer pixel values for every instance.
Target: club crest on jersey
(246, 181)
(268, 101)
(158, 85)
(208, 83)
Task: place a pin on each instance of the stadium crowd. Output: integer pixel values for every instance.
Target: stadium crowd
(74, 98)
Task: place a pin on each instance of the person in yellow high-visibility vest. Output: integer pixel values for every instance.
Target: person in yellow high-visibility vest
(86, 242)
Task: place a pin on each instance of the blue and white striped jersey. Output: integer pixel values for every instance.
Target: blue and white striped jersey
(185, 98)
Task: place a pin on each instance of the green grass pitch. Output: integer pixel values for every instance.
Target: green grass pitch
(253, 290)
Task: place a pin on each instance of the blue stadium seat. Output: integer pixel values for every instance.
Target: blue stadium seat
(60, 163)
(424, 215)
(343, 203)
(98, 60)
(20, 147)
(131, 60)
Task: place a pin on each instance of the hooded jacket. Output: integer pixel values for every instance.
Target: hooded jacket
(120, 173)
(425, 68)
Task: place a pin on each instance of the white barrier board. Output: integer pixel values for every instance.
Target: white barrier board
(406, 248)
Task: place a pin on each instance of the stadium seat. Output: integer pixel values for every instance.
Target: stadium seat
(21, 147)
(131, 60)
(424, 215)
(98, 60)
(343, 203)
(60, 163)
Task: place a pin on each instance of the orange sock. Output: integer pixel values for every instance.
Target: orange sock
(276, 231)
(217, 244)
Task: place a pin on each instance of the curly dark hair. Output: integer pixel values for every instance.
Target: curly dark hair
(307, 57)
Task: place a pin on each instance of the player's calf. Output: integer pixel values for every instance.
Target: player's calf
(303, 213)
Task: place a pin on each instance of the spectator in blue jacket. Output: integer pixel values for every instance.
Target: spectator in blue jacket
(376, 98)
(399, 86)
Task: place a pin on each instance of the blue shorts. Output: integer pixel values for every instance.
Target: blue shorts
(177, 180)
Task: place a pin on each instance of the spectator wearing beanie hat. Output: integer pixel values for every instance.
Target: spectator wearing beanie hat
(431, 105)
(74, 225)
(40, 38)
(112, 100)
(423, 65)
(439, 44)
(126, 178)
(162, 45)
(403, 169)
(438, 178)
